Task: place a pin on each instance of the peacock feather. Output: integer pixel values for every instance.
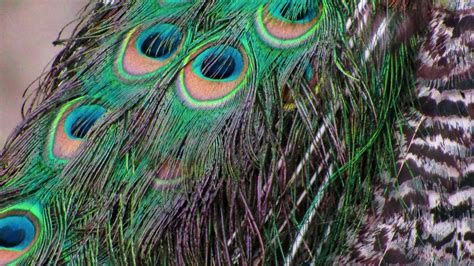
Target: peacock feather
(423, 213)
(243, 132)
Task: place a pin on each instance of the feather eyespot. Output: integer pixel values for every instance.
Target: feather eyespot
(212, 75)
(146, 51)
(168, 176)
(70, 127)
(287, 25)
(19, 231)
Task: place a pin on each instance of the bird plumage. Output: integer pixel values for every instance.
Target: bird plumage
(208, 132)
(423, 213)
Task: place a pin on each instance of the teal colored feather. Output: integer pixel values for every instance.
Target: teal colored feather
(209, 132)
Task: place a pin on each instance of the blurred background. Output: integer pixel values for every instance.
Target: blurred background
(27, 30)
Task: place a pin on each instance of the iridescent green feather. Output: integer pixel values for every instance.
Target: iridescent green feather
(177, 173)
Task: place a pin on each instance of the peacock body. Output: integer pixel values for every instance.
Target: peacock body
(248, 132)
(423, 214)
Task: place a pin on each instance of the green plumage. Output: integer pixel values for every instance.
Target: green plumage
(208, 132)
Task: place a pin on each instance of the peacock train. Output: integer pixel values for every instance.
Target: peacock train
(262, 132)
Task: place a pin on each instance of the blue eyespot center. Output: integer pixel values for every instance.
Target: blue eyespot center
(159, 42)
(218, 67)
(16, 232)
(293, 13)
(219, 63)
(11, 237)
(80, 120)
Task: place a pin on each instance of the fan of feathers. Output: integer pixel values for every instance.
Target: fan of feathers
(209, 132)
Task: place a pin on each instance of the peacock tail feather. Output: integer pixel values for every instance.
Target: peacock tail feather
(216, 132)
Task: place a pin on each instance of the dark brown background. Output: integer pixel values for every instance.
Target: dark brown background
(27, 30)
